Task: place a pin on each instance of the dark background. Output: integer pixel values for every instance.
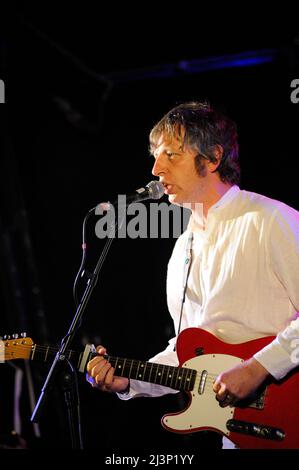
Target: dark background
(83, 89)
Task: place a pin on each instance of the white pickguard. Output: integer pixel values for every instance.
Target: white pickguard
(204, 410)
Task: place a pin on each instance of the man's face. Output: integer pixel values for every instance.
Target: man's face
(175, 167)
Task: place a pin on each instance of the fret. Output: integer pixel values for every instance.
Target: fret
(144, 370)
(157, 369)
(46, 355)
(185, 373)
(162, 374)
(170, 374)
(188, 378)
(130, 371)
(124, 364)
(33, 352)
(147, 371)
(165, 374)
(192, 381)
(152, 364)
(137, 369)
(178, 377)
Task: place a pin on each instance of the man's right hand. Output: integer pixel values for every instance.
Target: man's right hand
(100, 374)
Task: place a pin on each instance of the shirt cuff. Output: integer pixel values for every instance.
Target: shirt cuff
(275, 359)
(145, 389)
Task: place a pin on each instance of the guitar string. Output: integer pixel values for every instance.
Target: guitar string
(29, 347)
(134, 362)
(210, 378)
(208, 383)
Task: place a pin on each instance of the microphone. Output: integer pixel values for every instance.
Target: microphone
(153, 190)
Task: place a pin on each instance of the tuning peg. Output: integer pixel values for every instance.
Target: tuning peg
(23, 335)
(6, 337)
(15, 336)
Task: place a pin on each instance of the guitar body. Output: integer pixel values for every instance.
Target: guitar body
(272, 423)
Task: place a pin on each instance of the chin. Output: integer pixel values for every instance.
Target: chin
(175, 199)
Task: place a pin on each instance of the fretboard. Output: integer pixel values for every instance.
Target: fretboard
(45, 353)
(178, 378)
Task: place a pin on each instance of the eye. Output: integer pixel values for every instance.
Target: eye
(170, 155)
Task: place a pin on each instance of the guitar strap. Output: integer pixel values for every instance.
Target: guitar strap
(187, 266)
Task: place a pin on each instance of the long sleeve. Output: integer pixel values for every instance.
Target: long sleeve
(280, 356)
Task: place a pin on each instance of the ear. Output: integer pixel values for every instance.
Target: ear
(217, 152)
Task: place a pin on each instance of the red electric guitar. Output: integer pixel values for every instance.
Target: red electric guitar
(270, 420)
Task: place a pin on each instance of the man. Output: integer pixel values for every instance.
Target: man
(243, 281)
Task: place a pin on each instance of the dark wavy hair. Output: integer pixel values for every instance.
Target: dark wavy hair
(203, 129)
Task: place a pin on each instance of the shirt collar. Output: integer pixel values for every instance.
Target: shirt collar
(226, 198)
(197, 221)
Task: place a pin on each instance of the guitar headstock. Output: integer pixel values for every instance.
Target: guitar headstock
(15, 348)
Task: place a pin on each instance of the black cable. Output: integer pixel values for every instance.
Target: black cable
(83, 260)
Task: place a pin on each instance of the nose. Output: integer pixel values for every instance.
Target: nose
(159, 166)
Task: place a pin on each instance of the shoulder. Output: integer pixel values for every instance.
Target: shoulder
(267, 207)
(279, 220)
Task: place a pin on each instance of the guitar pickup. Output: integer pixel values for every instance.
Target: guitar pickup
(202, 382)
(256, 430)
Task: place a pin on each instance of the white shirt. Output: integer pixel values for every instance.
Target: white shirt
(243, 282)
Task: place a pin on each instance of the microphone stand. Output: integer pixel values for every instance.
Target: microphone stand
(69, 380)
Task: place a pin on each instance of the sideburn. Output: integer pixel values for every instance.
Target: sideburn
(200, 166)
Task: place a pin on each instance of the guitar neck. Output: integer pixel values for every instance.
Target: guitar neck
(45, 353)
(178, 378)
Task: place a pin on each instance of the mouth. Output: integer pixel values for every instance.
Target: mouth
(168, 188)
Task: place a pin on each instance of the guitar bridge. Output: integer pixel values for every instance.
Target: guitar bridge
(259, 402)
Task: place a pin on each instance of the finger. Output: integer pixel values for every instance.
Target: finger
(223, 404)
(101, 376)
(90, 379)
(222, 392)
(93, 363)
(98, 368)
(109, 378)
(216, 386)
(101, 350)
(229, 400)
